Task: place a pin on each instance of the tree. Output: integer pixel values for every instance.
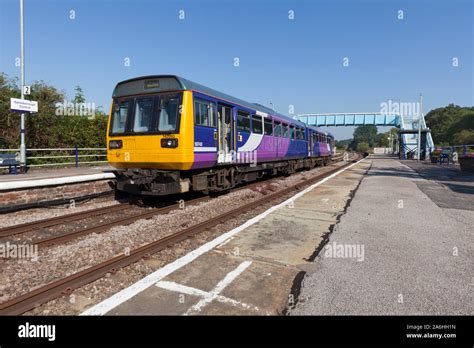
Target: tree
(362, 147)
(364, 134)
(343, 144)
(79, 96)
(46, 129)
(464, 137)
(448, 121)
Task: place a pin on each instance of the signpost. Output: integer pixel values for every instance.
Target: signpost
(22, 119)
(23, 105)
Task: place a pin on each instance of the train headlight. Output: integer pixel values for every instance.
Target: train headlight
(115, 144)
(171, 143)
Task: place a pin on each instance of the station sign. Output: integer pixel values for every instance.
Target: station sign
(23, 105)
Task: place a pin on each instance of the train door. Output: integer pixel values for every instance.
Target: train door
(226, 134)
(309, 137)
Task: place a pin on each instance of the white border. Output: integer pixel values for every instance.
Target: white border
(134, 289)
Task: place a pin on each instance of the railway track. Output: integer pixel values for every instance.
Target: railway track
(57, 238)
(64, 286)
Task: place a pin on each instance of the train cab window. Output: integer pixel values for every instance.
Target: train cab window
(257, 125)
(292, 132)
(267, 126)
(286, 131)
(168, 119)
(143, 114)
(204, 113)
(277, 130)
(119, 118)
(243, 121)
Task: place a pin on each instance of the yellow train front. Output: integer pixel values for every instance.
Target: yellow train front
(170, 135)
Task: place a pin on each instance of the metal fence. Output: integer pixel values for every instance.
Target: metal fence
(73, 156)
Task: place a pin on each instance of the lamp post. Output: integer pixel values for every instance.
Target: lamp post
(420, 115)
(22, 73)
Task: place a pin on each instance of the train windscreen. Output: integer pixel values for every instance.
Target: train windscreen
(156, 114)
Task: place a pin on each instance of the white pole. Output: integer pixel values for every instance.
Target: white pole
(22, 58)
(419, 126)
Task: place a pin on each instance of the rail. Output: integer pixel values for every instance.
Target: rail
(61, 156)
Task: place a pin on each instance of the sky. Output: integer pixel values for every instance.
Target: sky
(317, 56)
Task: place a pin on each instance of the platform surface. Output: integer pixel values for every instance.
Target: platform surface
(416, 228)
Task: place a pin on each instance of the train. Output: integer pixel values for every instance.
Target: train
(168, 135)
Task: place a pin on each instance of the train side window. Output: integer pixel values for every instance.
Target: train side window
(285, 130)
(277, 129)
(299, 134)
(257, 126)
(204, 113)
(292, 132)
(267, 126)
(243, 121)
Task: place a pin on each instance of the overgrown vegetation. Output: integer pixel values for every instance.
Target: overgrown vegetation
(451, 125)
(46, 129)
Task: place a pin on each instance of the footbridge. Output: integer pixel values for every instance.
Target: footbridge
(407, 125)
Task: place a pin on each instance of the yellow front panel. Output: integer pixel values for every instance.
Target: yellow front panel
(145, 151)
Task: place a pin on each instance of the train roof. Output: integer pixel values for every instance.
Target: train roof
(174, 82)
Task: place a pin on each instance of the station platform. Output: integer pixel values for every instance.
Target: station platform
(56, 173)
(406, 249)
(41, 186)
(253, 269)
(414, 223)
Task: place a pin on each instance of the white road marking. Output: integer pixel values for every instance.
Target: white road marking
(184, 289)
(172, 286)
(214, 294)
(134, 289)
(229, 278)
